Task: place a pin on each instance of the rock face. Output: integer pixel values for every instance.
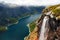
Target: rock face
(53, 28)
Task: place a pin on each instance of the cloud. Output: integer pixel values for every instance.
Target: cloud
(32, 2)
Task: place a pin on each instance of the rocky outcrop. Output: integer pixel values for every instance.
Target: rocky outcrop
(53, 31)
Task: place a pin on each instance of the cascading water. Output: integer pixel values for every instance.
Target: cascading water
(43, 28)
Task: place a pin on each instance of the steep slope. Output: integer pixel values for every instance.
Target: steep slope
(52, 26)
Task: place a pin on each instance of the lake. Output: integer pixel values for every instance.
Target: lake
(20, 30)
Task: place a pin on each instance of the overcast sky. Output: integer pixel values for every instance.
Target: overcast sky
(32, 2)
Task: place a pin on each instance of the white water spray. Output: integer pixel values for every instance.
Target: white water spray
(43, 28)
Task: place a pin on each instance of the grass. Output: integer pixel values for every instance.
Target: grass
(32, 26)
(56, 12)
(3, 28)
(13, 20)
(50, 8)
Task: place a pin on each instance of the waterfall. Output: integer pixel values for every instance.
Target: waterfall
(43, 28)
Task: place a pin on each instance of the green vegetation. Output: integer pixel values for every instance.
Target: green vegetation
(3, 28)
(32, 26)
(13, 20)
(50, 8)
(56, 12)
(55, 9)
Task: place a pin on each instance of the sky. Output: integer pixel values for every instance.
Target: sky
(32, 2)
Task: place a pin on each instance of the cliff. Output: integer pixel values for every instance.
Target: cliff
(53, 26)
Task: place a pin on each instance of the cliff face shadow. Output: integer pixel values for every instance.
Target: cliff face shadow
(53, 28)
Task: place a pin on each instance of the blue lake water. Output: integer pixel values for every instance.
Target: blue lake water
(18, 31)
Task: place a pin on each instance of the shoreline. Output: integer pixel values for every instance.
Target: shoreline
(6, 27)
(25, 38)
(23, 17)
(28, 26)
(18, 20)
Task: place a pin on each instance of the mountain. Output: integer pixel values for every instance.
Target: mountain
(47, 27)
(11, 13)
